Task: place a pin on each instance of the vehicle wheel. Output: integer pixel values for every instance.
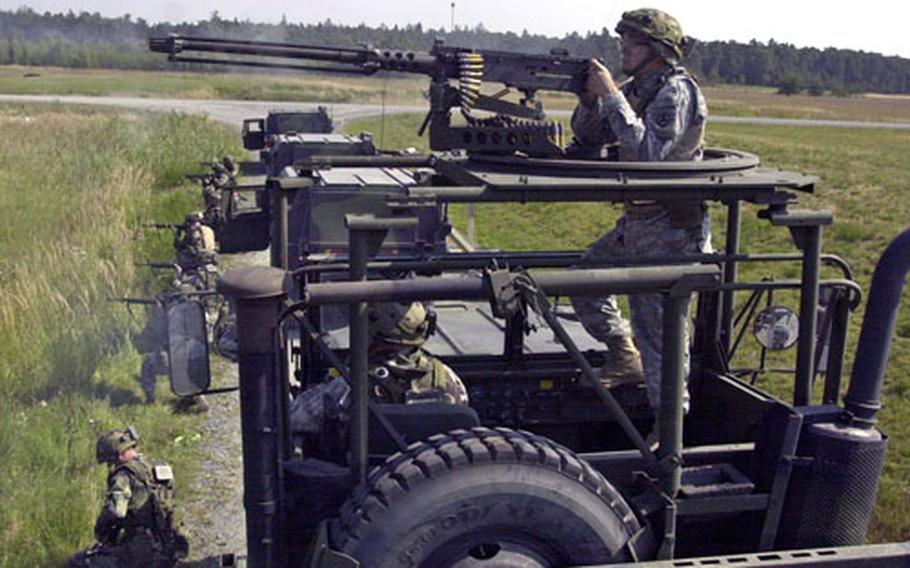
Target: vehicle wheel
(485, 498)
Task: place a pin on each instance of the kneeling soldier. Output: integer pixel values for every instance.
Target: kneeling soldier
(136, 525)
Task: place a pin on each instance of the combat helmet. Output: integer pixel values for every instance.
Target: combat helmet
(661, 28)
(399, 323)
(229, 163)
(114, 442)
(194, 217)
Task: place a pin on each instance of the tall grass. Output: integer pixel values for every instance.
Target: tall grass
(74, 184)
(864, 181)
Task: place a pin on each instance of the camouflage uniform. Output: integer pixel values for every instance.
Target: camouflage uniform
(403, 377)
(195, 244)
(400, 370)
(135, 528)
(658, 116)
(211, 196)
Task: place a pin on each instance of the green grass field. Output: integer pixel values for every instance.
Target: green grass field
(74, 186)
(864, 176)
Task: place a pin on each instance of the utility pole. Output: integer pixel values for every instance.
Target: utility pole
(453, 17)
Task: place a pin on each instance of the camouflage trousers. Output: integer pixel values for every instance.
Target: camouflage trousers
(153, 365)
(601, 317)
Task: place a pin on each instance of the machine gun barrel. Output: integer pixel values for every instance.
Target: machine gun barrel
(364, 61)
(556, 71)
(457, 75)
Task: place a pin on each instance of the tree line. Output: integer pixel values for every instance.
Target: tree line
(86, 40)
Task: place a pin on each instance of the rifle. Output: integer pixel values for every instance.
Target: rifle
(198, 177)
(515, 127)
(162, 226)
(142, 301)
(159, 265)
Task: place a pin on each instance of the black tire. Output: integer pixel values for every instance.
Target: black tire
(485, 498)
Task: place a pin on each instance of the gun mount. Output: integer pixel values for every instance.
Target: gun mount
(456, 78)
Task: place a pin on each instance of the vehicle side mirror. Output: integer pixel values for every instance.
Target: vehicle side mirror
(187, 347)
(776, 328)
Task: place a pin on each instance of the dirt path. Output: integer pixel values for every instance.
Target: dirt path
(213, 514)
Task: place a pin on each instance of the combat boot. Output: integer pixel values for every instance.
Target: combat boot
(622, 364)
(192, 404)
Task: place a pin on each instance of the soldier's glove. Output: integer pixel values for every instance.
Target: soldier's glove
(107, 530)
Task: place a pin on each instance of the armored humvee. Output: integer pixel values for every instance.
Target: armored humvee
(258, 133)
(545, 467)
(282, 138)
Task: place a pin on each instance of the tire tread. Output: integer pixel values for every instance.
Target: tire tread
(445, 454)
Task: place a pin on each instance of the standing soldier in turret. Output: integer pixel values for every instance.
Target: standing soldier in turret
(135, 528)
(657, 115)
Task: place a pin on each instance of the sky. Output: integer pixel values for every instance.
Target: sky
(873, 25)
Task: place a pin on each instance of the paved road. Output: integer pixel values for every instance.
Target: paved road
(233, 112)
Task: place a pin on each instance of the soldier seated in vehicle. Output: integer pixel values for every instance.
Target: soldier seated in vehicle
(400, 370)
(136, 525)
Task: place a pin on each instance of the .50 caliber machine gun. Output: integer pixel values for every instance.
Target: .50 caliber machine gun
(456, 77)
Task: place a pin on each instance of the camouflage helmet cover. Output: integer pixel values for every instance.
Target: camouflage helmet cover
(660, 27)
(229, 162)
(195, 217)
(399, 323)
(114, 442)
